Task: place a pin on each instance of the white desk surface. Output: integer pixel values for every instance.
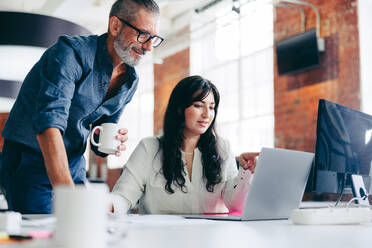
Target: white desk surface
(174, 231)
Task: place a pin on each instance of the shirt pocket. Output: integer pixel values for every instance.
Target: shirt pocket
(160, 201)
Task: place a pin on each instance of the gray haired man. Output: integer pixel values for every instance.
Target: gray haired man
(78, 82)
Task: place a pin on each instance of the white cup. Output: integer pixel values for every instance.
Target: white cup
(107, 138)
(81, 216)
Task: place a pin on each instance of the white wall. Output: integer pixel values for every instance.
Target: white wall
(365, 39)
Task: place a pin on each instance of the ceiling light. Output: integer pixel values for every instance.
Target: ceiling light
(24, 39)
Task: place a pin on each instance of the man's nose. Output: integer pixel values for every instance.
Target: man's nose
(147, 46)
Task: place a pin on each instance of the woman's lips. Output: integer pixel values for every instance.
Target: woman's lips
(203, 123)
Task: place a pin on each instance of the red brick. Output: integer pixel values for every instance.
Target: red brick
(3, 118)
(296, 96)
(166, 76)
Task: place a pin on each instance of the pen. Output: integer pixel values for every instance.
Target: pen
(19, 237)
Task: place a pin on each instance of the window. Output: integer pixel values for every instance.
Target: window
(236, 54)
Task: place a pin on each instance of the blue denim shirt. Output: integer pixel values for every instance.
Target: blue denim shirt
(66, 89)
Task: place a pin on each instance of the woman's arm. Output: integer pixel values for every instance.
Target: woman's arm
(237, 182)
(131, 185)
(236, 190)
(119, 205)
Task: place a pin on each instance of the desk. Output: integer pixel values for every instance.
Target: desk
(253, 234)
(187, 233)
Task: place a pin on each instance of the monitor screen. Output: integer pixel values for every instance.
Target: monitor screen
(298, 53)
(343, 148)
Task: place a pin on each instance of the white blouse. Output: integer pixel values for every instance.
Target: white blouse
(142, 180)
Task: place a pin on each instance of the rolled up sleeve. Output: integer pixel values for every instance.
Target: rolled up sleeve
(60, 72)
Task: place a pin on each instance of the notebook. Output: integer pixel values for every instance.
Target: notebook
(277, 186)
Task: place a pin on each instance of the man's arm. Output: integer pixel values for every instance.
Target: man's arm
(55, 158)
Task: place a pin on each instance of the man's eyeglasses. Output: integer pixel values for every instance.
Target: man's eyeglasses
(144, 36)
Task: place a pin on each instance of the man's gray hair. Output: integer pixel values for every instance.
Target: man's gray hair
(129, 9)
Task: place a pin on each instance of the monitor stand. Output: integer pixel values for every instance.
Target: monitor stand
(359, 190)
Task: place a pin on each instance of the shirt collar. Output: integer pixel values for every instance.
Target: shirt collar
(103, 59)
(132, 76)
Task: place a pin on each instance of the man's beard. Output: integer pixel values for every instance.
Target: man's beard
(123, 51)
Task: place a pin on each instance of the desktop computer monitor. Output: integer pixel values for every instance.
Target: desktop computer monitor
(343, 150)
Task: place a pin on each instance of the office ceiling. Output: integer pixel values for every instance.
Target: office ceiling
(93, 14)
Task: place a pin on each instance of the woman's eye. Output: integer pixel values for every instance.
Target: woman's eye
(197, 105)
(211, 108)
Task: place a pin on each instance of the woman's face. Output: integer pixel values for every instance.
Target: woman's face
(199, 116)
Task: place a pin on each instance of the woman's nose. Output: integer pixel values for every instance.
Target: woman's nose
(206, 112)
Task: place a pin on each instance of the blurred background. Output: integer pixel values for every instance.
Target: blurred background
(231, 42)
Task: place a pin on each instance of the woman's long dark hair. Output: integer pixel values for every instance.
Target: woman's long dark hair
(186, 92)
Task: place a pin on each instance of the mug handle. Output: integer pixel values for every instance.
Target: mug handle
(92, 135)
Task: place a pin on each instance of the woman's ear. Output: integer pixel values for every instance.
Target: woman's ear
(179, 111)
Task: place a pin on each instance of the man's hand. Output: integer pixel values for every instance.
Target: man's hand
(123, 137)
(248, 160)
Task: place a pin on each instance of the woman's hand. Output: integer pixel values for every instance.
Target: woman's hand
(248, 160)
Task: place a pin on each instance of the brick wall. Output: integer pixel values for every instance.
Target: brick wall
(166, 76)
(296, 96)
(3, 118)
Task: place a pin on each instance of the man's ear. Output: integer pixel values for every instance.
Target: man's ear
(114, 26)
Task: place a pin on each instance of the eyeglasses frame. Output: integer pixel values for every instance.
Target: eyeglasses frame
(140, 32)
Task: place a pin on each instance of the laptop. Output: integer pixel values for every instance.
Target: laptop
(276, 188)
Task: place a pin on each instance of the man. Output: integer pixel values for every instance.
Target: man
(78, 83)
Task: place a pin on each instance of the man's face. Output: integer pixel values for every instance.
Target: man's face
(126, 44)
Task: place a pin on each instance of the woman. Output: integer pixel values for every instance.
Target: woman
(188, 170)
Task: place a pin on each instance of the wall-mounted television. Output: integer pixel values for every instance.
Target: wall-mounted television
(298, 53)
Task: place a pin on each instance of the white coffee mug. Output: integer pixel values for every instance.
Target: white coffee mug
(81, 216)
(107, 138)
